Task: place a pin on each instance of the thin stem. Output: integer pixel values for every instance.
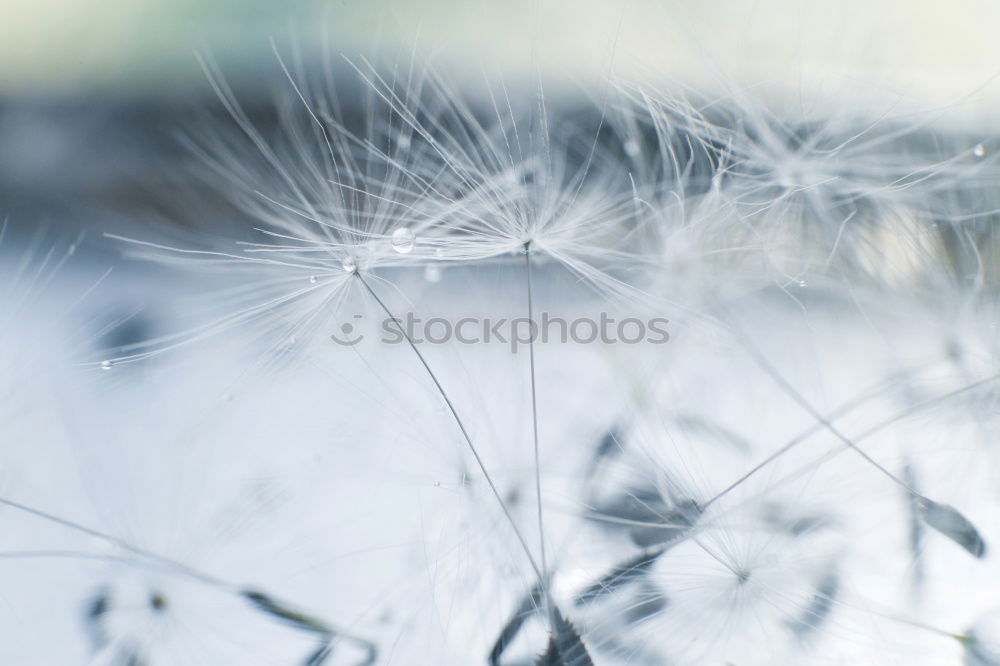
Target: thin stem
(121, 543)
(534, 406)
(792, 443)
(896, 617)
(843, 409)
(790, 390)
(785, 386)
(461, 426)
(763, 463)
(179, 568)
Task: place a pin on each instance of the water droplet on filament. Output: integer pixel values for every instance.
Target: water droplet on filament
(403, 240)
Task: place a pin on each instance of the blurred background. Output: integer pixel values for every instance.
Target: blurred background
(96, 97)
(93, 94)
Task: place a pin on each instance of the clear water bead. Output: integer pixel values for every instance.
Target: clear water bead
(349, 265)
(979, 150)
(432, 274)
(312, 279)
(106, 365)
(403, 240)
(631, 147)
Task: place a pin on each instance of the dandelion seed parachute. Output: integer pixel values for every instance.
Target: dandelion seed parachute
(722, 522)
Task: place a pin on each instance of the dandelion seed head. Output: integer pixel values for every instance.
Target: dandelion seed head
(726, 211)
(745, 587)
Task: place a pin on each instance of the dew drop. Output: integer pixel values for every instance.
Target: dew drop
(403, 240)
(802, 283)
(432, 274)
(106, 365)
(979, 150)
(631, 147)
(312, 279)
(349, 265)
